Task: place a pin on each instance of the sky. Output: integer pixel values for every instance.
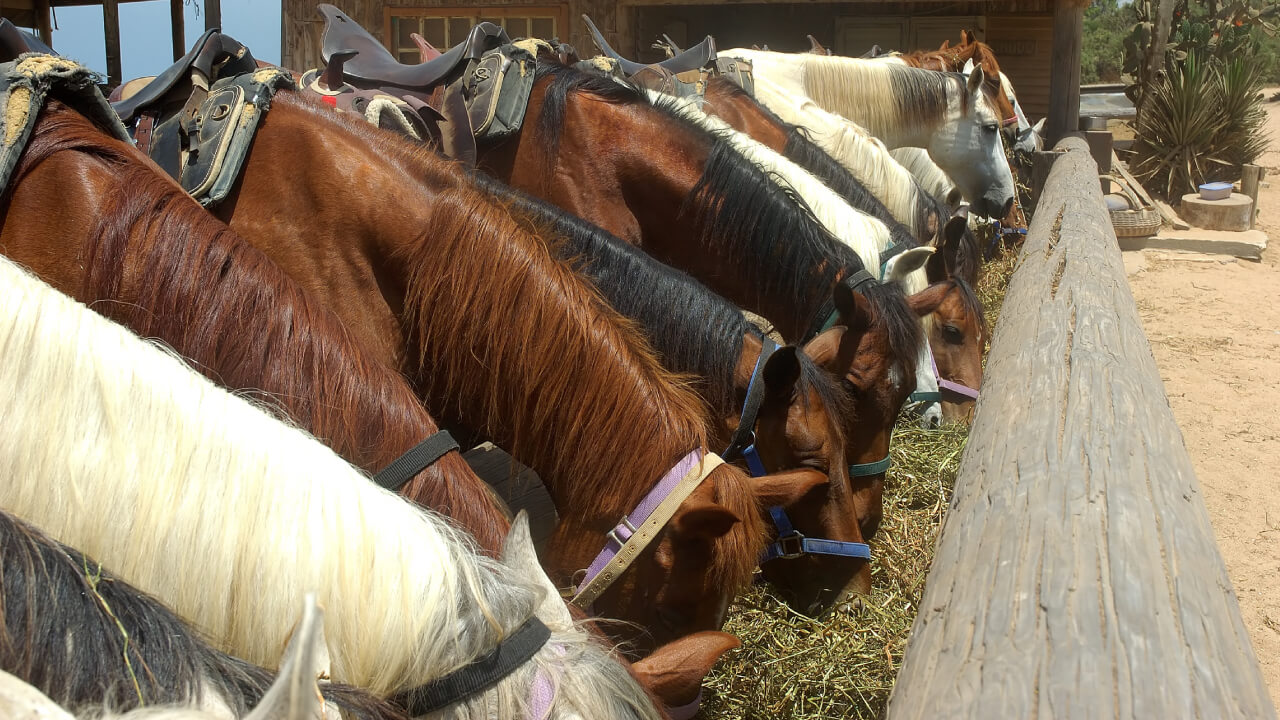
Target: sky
(145, 45)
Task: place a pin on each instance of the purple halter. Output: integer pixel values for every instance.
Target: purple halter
(952, 387)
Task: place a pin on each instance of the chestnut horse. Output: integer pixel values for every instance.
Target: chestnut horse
(599, 149)
(505, 340)
(152, 259)
(801, 414)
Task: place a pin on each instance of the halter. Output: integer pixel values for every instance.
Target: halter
(478, 675)
(791, 543)
(635, 531)
(827, 313)
(954, 387)
(415, 460)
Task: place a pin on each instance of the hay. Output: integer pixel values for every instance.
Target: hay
(844, 663)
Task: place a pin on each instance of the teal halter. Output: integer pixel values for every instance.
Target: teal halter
(871, 468)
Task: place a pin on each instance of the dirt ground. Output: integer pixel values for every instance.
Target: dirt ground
(1214, 325)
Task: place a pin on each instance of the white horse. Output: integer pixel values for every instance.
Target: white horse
(906, 107)
(864, 234)
(115, 447)
(937, 183)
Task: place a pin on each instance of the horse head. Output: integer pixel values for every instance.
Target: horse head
(926, 395)
(970, 148)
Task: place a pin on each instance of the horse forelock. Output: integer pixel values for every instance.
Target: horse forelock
(202, 280)
(901, 325)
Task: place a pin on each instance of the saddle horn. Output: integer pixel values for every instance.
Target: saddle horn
(331, 78)
(816, 47)
(426, 50)
(675, 49)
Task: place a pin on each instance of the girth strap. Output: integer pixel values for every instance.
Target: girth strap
(792, 544)
(635, 531)
(478, 675)
(743, 441)
(417, 459)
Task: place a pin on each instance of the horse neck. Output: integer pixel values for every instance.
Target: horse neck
(863, 91)
(727, 102)
(502, 337)
(295, 354)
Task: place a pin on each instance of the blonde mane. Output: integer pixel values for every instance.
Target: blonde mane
(931, 177)
(113, 445)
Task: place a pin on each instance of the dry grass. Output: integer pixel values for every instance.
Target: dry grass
(843, 664)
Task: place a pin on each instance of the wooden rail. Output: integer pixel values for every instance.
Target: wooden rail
(1076, 573)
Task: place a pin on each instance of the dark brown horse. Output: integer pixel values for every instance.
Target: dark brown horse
(600, 150)
(505, 340)
(127, 241)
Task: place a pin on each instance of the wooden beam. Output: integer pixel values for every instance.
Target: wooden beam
(177, 29)
(212, 14)
(44, 22)
(1076, 575)
(111, 28)
(1064, 71)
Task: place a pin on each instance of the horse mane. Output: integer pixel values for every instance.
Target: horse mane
(194, 282)
(801, 150)
(904, 95)
(555, 363)
(231, 518)
(565, 81)
(87, 638)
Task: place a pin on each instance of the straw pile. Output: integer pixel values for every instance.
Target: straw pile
(843, 665)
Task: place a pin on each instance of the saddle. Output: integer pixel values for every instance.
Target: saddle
(15, 42)
(197, 119)
(213, 54)
(685, 74)
(373, 64)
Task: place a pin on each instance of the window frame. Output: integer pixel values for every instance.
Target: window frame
(559, 11)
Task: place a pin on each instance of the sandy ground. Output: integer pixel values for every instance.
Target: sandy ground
(1214, 326)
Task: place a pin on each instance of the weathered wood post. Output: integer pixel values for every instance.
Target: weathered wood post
(1064, 71)
(177, 29)
(1076, 574)
(111, 30)
(212, 14)
(1250, 180)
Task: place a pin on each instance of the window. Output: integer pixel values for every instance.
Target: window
(445, 27)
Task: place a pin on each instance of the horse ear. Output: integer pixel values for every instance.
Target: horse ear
(295, 695)
(968, 37)
(1039, 126)
(855, 311)
(927, 301)
(903, 264)
(975, 80)
(699, 519)
(782, 371)
(788, 487)
(968, 66)
(18, 699)
(519, 556)
(945, 45)
(674, 672)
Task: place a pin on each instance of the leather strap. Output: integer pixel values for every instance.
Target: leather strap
(828, 313)
(792, 544)
(925, 396)
(743, 441)
(871, 468)
(142, 132)
(478, 675)
(629, 538)
(417, 459)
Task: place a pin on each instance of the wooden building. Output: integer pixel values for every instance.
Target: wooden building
(1020, 31)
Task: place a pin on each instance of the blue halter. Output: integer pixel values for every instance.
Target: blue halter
(791, 543)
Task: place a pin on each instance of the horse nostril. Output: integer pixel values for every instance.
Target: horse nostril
(1008, 205)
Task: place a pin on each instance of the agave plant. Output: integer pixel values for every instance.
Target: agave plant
(1201, 123)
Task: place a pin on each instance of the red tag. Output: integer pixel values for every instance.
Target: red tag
(329, 100)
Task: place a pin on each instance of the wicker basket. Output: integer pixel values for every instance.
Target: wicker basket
(1137, 221)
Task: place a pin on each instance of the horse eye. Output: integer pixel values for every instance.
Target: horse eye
(991, 128)
(952, 334)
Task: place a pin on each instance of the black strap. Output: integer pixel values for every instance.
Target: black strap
(744, 435)
(822, 320)
(478, 675)
(891, 252)
(417, 459)
(858, 279)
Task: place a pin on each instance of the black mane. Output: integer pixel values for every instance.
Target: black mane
(63, 633)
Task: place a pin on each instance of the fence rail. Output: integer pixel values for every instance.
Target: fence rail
(1076, 574)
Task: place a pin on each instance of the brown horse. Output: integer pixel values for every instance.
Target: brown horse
(152, 259)
(600, 150)
(502, 338)
(795, 412)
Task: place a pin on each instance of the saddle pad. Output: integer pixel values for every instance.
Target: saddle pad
(205, 145)
(27, 82)
(497, 89)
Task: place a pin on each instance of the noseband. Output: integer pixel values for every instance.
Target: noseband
(791, 543)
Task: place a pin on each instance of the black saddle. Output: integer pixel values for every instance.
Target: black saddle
(374, 64)
(214, 54)
(695, 58)
(14, 42)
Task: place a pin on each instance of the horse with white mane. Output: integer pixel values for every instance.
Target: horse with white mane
(230, 517)
(944, 113)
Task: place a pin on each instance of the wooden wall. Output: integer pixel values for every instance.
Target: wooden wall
(1020, 30)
